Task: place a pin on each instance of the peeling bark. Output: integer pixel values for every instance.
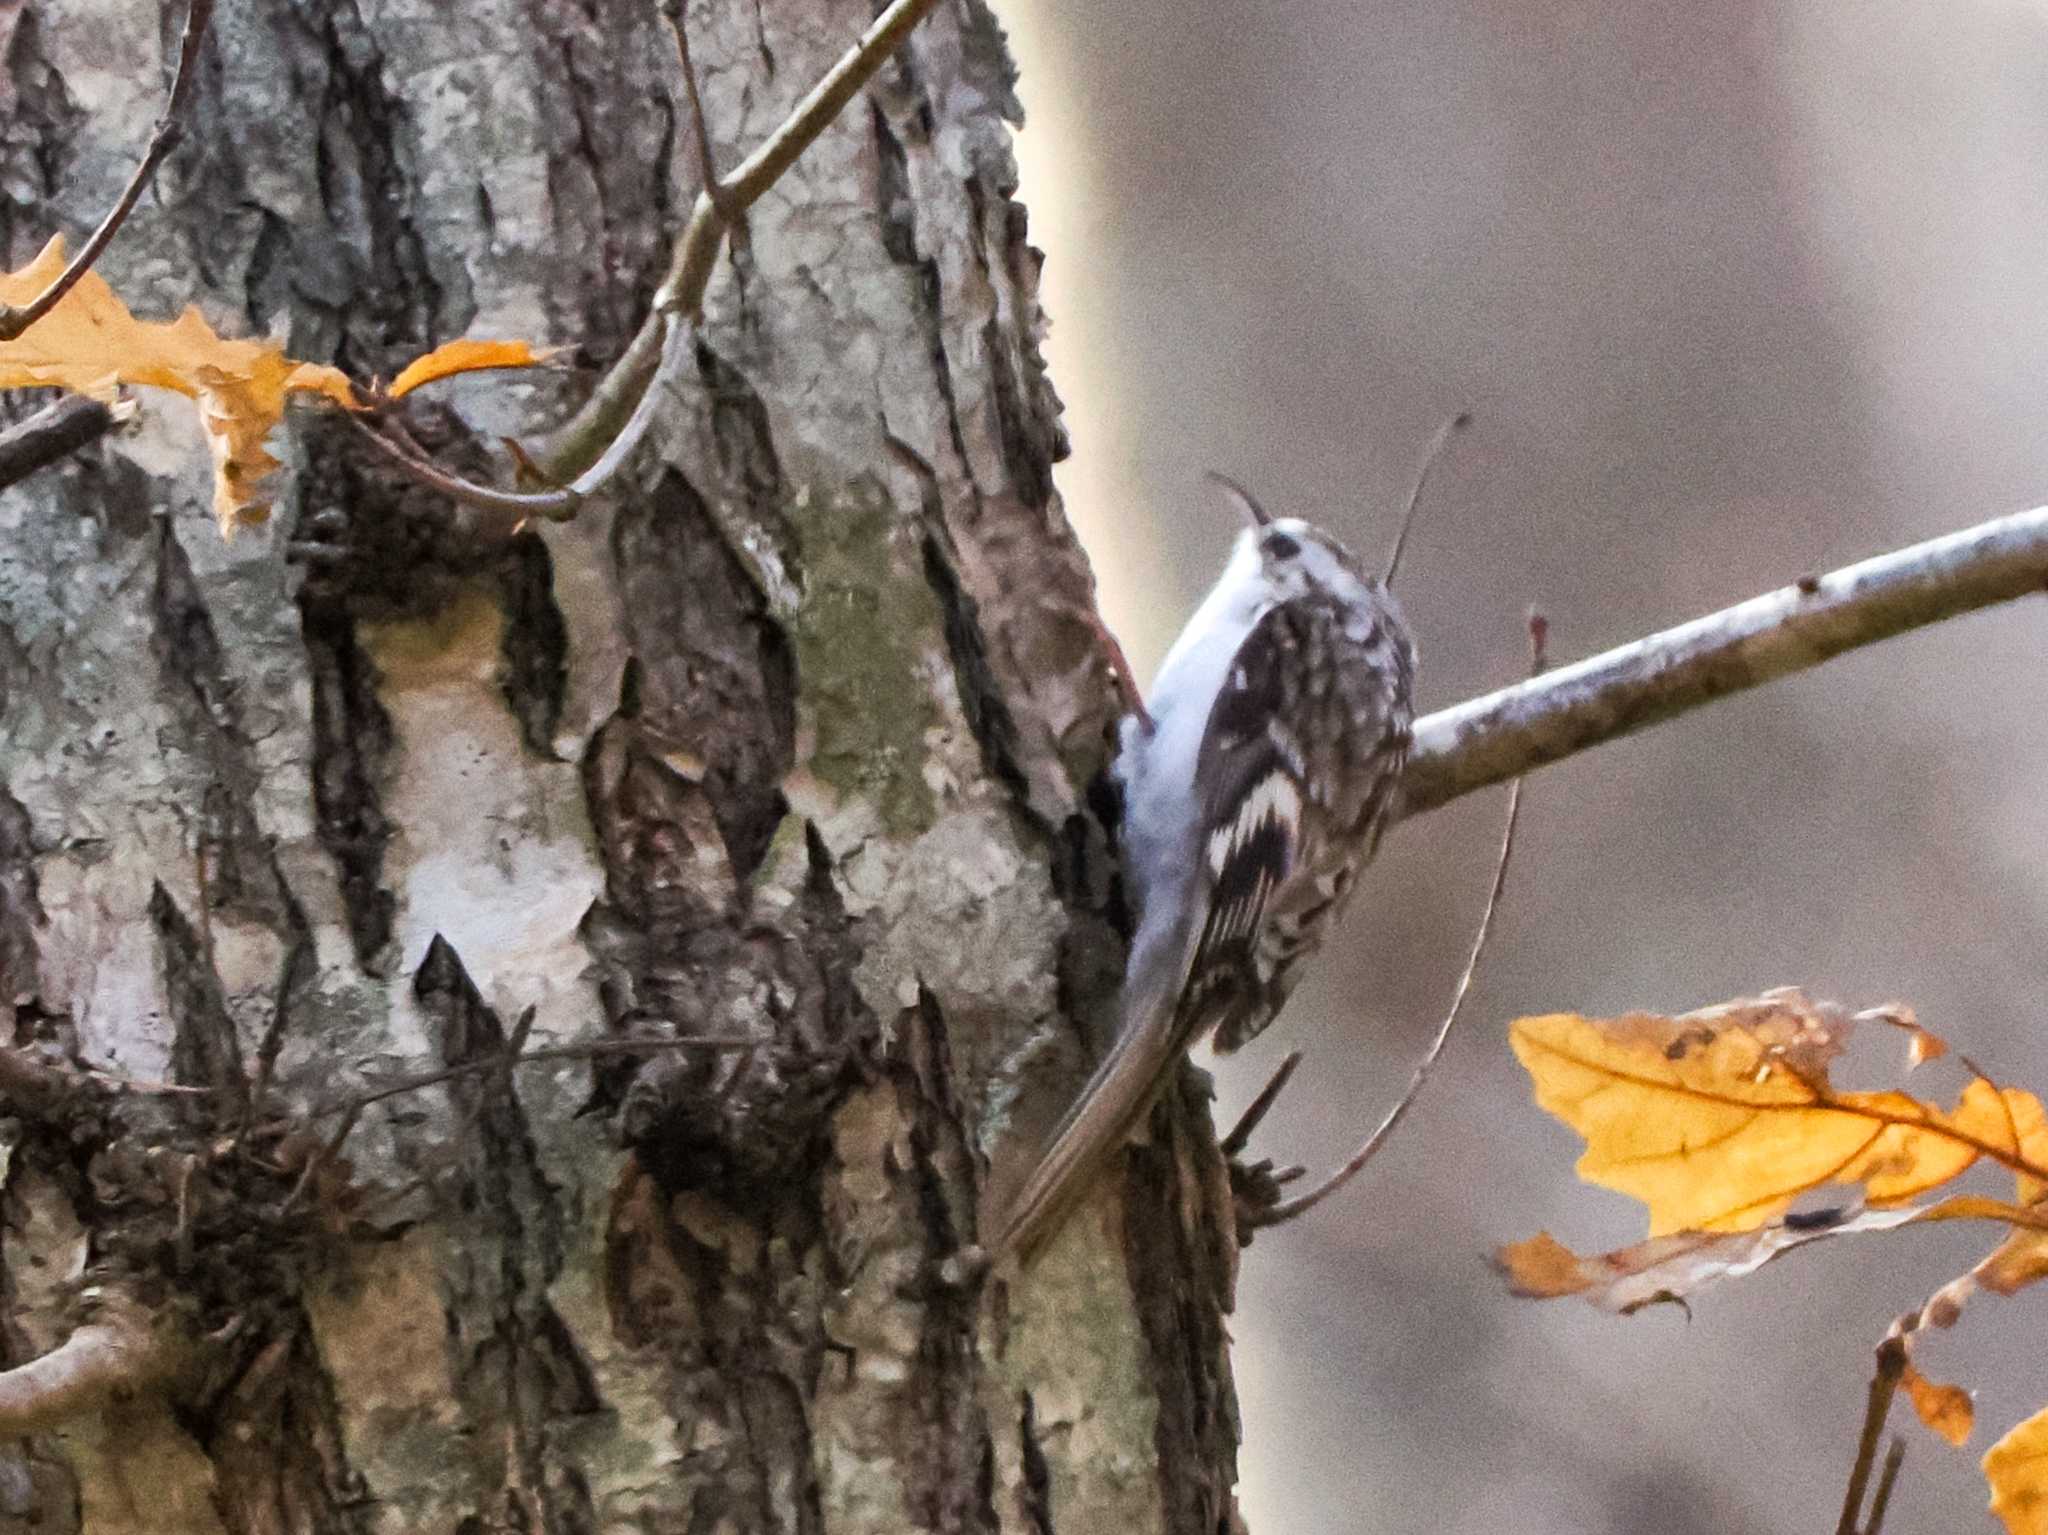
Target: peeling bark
(797, 738)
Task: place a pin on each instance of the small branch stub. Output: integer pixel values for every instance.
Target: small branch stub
(119, 1354)
(58, 429)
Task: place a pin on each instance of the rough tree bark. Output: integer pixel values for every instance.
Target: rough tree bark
(796, 740)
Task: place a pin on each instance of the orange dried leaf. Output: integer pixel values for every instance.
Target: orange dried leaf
(2020, 1260)
(1543, 1268)
(1923, 1047)
(1674, 1267)
(90, 343)
(1947, 1410)
(453, 357)
(2017, 1469)
(1719, 1120)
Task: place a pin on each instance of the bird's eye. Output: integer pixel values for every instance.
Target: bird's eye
(1280, 547)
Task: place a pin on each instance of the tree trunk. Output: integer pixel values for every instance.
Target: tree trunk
(797, 740)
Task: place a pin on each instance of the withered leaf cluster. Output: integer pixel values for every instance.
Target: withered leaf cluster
(1721, 1121)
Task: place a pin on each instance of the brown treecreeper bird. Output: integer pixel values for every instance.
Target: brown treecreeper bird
(1254, 793)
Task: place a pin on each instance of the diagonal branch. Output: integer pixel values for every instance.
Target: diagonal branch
(1549, 718)
(586, 451)
(59, 428)
(580, 441)
(169, 129)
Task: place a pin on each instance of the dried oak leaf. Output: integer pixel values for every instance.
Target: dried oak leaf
(1674, 1267)
(1946, 1409)
(1719, 1120)
(1678, 1266)
(89, 343)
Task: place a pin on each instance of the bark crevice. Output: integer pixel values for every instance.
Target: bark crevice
(205, 1051)
(351, 740)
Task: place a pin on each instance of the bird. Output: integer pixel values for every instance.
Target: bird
(1256, 781)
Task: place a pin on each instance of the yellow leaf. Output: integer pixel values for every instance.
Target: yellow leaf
(1945, 1409)
(452, 357)
(2017, 1469)
(89, 343)
(1719, 1120)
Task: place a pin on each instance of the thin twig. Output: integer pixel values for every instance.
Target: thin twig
(1534, 723)
(14, 320)
(352, 1106)
(1429, 457)
(1884, 1384)
(700, 131)
(1301, 1204)
(518, 506)
(501, 1059)
(581, 441)
(522, 1030)
(1881, 1501)
(58, 429)
(1240, 1135)
(150, 1087)
(675, 353)
(599, 439)
(325, 1153)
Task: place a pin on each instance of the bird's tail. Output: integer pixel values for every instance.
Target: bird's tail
(1120, 1093)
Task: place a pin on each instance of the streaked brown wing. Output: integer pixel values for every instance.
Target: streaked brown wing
(1259, 810)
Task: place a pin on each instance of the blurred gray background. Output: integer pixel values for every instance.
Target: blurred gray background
(1738, 290)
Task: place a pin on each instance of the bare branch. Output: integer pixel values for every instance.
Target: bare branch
(1884, 1385)
(512, 508)
(599, 439)
(116, 1355)
(1881, 1501)
(62, 427)
(501, 1060)
(13, 320)
(580, 442)
(1544, 720)
(675, 352)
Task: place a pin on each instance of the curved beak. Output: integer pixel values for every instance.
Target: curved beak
(1249, 508)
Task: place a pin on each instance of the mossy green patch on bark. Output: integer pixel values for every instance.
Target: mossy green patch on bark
(863, 634)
